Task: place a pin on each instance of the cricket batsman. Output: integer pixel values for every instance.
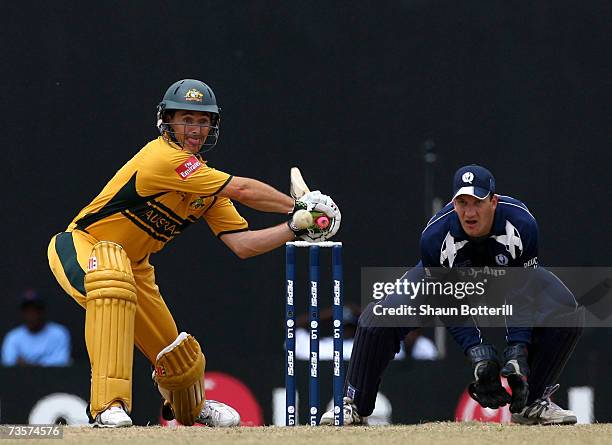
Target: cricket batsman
(102, 259)
(480, 229)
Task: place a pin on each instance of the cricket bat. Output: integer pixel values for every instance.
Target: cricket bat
(297, 187)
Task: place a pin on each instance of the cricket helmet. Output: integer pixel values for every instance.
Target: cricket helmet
(192, 95)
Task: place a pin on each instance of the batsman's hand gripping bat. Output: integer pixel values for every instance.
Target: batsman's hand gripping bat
(302, 218)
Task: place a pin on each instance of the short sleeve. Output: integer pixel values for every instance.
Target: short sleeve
(175, 170)
(223, 218)
(529, 257)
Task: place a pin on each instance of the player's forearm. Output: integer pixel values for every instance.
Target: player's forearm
(258, 195)
(255, 242)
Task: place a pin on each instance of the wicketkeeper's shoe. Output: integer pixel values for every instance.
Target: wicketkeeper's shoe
(113, 417)
(351, 416)
(218, 414)
(545, 412)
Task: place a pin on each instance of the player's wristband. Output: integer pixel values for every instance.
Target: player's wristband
(298, 205)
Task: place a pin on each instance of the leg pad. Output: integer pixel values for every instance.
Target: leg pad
(109, 325)
(179, 374)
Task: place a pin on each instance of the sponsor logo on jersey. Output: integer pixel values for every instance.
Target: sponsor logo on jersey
(190, 166)
(194, 95)
(468, 177)
(531, 263)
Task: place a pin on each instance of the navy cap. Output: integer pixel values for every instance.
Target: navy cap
(473, 180)
(31, 297)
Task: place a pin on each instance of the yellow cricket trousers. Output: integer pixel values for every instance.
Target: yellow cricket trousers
(154, 326)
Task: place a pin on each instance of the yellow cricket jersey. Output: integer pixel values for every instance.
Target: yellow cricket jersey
(154, 197)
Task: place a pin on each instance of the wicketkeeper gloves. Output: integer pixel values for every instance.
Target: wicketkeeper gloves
(516, 370)
(486, 389)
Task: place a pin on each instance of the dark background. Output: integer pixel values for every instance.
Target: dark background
(349, 92)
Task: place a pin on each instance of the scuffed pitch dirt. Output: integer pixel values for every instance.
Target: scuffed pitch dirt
(426, 434)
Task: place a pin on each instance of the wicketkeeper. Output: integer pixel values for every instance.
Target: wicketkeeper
(478, 229)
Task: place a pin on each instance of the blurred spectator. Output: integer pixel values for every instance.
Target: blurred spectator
(419, 346)
(36, 342)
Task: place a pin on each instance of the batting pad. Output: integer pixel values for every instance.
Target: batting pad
(109, 325)
(179, 373)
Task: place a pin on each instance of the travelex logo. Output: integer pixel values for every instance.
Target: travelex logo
(411, 289)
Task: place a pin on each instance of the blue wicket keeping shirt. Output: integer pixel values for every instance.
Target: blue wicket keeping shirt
(513, 242)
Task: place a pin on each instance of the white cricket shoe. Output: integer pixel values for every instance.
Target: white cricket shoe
(545, 412)
(113, 417)
(351, 416)
(218, 414)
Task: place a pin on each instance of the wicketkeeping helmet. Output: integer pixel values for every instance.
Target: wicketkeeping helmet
(194, 95)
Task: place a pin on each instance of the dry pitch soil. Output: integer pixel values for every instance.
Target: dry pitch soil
(427, 434)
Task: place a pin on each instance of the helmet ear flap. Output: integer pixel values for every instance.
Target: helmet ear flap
(164, 128)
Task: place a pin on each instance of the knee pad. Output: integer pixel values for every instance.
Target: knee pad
(109, 325)
(179, 374)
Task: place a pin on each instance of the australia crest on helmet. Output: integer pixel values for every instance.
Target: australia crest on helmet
(194, 95)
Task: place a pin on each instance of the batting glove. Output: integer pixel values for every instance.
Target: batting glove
(516, 370)
(486, 389)
(315, 202)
